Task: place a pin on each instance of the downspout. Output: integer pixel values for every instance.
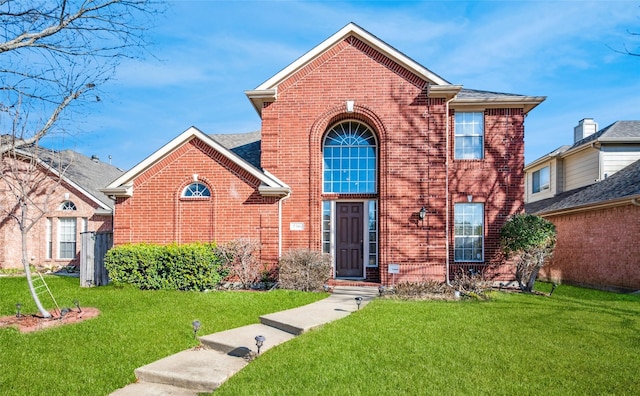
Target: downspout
(280, 223)
(446, 189)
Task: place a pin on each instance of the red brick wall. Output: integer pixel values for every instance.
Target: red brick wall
(411, 131)
(598, 248)
(157, 214)
(51, 197)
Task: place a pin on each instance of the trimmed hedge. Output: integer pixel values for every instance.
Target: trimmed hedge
(193, 266)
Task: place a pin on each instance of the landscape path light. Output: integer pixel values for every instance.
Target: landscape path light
(18, 308)
(358, 301)
(259, 342)
(196, 327)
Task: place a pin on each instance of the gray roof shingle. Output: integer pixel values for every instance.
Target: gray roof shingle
(244, 145)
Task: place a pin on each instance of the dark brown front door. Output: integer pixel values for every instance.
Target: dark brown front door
(349, 219)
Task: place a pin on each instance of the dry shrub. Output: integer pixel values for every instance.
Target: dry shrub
(240, 256)
(304, 269)
(471, 283)
(427, 290)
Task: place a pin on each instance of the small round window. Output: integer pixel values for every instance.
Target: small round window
(196, 190)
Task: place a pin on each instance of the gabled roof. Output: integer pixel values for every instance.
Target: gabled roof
(620, 187)
(245, 145)
(268, 90)
(620, 132)
(77, 170)
(241, 143)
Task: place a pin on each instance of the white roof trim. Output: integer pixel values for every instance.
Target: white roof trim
(124, 182)
(352, 30)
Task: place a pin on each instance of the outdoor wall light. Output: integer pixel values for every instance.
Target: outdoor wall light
(77, 304)
(18, 308)
(259, 342)
(196, 327)
(422, 213)
(358, 301)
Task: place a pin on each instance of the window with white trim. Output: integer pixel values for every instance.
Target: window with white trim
(349, 159)
(67, 205)
(469, 232)
(540, 180)
(372, 225)
(196, 190)
(48, 237)
(469, 135)
(67, 237)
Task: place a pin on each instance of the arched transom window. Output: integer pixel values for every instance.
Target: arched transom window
(68, 205)
(196, 190)
(350, 165)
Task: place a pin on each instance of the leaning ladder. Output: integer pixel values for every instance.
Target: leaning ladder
(41, 287)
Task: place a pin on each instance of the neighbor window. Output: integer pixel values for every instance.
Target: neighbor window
(196, 190)
(469, 232)
(349, 154)
(469, 133)
(541, 180)
(68, 205)
(67, 237)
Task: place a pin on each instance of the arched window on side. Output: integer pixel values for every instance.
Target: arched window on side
(68, 205)
(196, 190)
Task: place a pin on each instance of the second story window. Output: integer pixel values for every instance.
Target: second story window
(540, 180)
(469, 135)
(196, 190)
(68, 205)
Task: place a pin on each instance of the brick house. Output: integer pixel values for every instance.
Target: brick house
(67, 189)
(363, 154)
(591, 192)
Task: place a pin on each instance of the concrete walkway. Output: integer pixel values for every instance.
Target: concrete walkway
(224, 354)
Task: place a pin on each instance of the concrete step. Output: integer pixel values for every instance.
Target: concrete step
(241, 340)
(302, 319)
(152, 389)
(201, 370)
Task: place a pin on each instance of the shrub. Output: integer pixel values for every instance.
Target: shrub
(471, 283)
(430, 289)
(304, 269)
(192, 266)
(239, 256)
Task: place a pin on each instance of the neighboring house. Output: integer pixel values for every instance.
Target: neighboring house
(598, 229)
(67, 189)
(594, 156)
(363, 154)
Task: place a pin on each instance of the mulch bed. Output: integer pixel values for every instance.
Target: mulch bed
(30, 323)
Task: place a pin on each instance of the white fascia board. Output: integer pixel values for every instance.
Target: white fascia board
(124, 183)
(528, 103)
(357, 31)
(591, 206)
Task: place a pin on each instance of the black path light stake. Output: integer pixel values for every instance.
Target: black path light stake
(380, 290)
(553, 287)
(196, 327)
(18, 308)
(259, 342)
(358, 301)
(77, 304)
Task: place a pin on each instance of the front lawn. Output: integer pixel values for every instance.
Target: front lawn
(576, 342)
(135, 327)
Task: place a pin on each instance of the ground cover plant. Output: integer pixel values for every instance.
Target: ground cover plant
(135, 327)
(577, 341)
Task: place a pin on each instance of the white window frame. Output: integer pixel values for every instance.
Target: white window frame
(469, 125)
(461, 239)
(49, 238)
(67, 235)
(541, 187)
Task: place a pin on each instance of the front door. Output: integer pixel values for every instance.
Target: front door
(349, 243)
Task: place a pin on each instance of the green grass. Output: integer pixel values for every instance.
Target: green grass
(576, 342)
(135, 327)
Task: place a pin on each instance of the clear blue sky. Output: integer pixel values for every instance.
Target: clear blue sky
(209, 52)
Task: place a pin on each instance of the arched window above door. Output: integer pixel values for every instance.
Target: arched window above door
(349, 159)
